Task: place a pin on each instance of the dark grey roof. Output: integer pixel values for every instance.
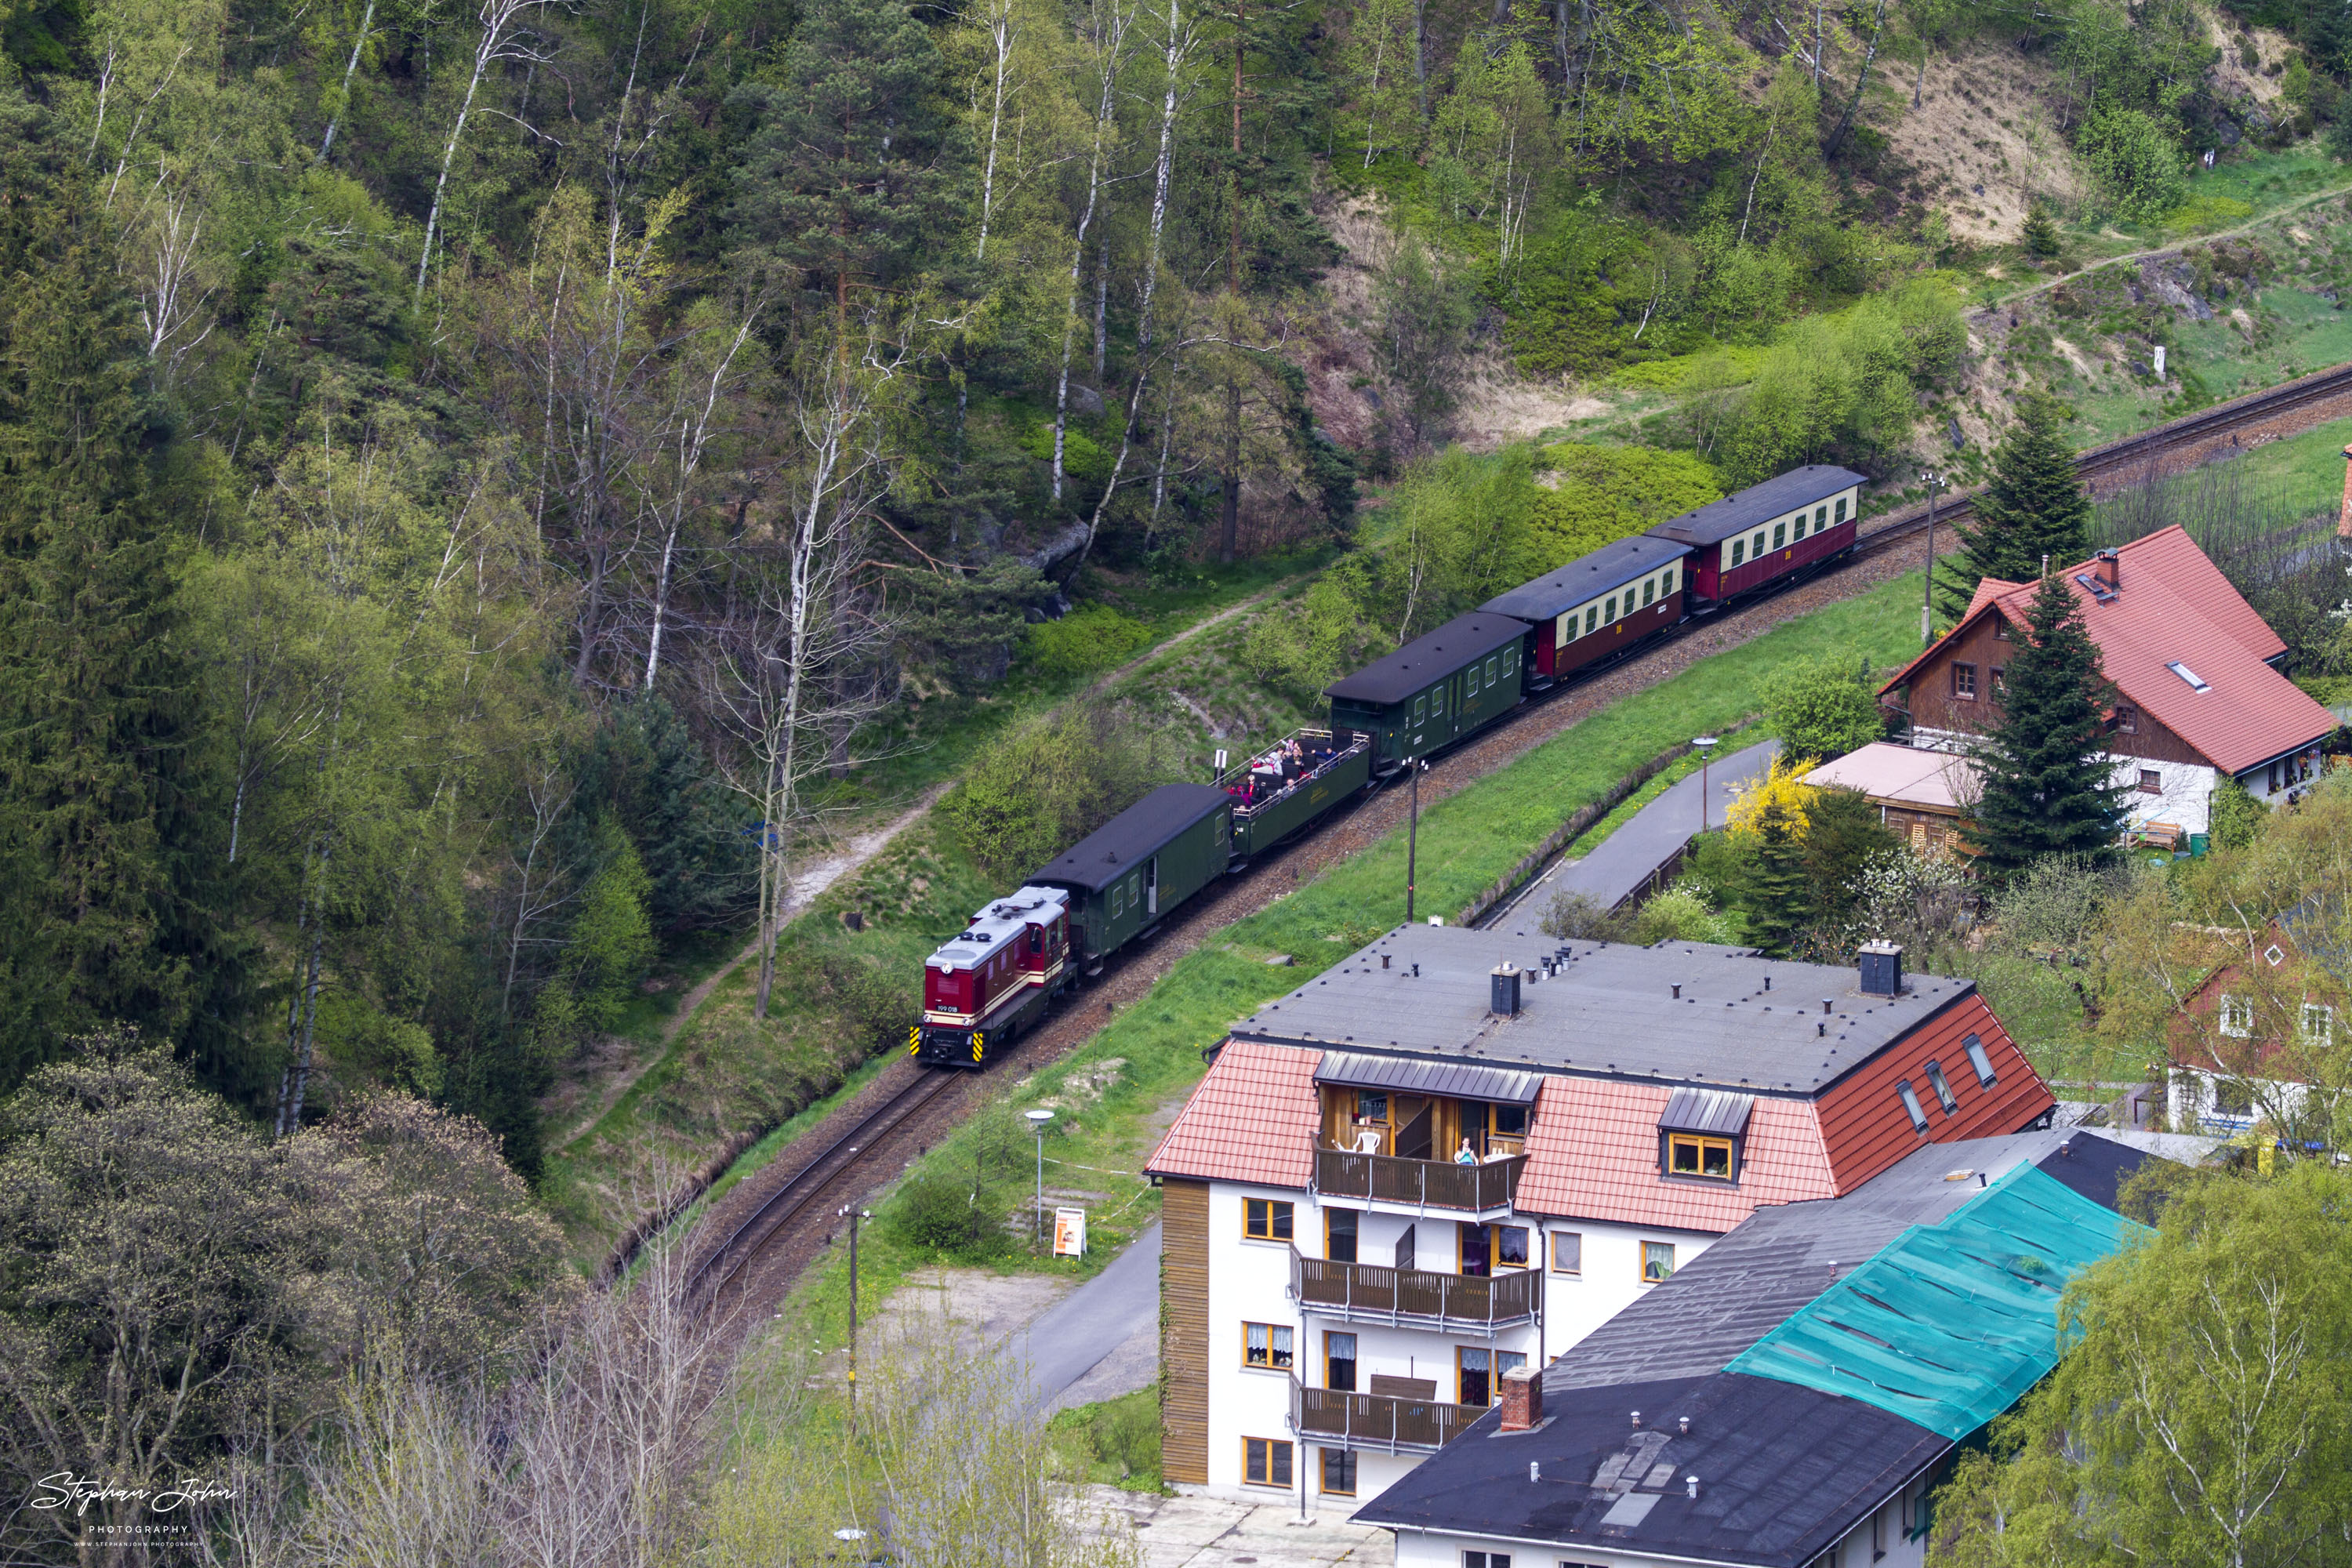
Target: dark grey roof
(1715, 1111)
(1611, 1011)
(1718, 520)
(1425, 660)
(1410, 1075)
(1119, 845)
(1784, 1470)
(1611, 566)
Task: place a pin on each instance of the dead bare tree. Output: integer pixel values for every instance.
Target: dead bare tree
(804, 614)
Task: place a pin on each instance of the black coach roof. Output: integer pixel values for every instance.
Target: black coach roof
(1127, 840)
(1775, 497)
(1609, 567)
(1424, 661)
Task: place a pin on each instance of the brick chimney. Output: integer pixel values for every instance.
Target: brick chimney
(2108, 566)
(1522, 1398)
(2343, 521)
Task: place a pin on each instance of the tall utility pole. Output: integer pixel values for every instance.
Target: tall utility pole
(853, 1213)
(1928, 598)
(1230, 523)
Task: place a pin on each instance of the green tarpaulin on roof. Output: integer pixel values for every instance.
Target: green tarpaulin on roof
(1948, 1324)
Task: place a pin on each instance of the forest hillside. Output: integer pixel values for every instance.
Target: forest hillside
(488, 490)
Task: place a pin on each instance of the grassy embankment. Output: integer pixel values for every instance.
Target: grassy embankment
(720, 1073)
(1116, 1093)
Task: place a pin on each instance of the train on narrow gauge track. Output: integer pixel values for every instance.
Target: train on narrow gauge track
(1020, 953)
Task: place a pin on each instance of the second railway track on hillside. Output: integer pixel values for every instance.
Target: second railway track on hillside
(756, 1239)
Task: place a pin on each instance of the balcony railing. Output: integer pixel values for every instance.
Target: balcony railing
(1415, 1297)
(1378, 1422)
(1420, 1184)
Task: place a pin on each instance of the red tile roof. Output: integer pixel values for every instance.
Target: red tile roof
(1255, 1118)
(1593, 1153)
(1862, 1119)
(2172, 605)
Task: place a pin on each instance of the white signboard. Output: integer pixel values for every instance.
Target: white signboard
(1069, 1233)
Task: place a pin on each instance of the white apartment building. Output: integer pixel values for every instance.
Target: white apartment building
(1459, 1152)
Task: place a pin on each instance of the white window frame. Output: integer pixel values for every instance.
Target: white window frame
(2236, 1016)
(2318, 1024)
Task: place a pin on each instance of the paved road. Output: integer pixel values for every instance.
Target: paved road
(1101, 1338)
(1627, 856)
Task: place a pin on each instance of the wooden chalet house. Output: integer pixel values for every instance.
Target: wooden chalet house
(1459, 1152)
(2197, 693)
(2255, 1038)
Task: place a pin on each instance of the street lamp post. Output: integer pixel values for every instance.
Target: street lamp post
(1037, 1120)
(1928, 598)
(1705, 744)
(1412, 833)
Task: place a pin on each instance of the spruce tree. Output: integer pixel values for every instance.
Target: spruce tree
(101, 819)
(2047, 783)
(2033, 507)
(2040, 234)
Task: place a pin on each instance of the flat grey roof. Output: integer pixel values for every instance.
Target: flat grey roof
(1610, 1012)
(1718, 520)
(1589, 576)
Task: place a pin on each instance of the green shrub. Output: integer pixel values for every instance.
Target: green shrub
(870, 1007)
(941, 1215)
(1580, 917)
(1050, 784)
(1605, 494)
(1084, 642)
(2136, 160)
(1684, 913)
(1822, 707)
(2237, 816)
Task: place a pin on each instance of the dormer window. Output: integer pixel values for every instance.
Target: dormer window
(1700, 1133)
(1688, 1154)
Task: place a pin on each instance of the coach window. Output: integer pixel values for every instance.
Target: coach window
(1739, 551)
(1490, 673)
(1964, 682)
(1591, 618)
(1780, 534)
(1822, 516)
(1437, 703)
(1470, 686)
(1608, 610)
(1841, 509)
(1419, 708)
(1649, 592)
(1755, 545)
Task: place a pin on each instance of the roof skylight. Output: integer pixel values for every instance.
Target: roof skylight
(2196, 681)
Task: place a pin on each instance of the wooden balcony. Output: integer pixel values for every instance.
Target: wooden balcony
(1488, 1188)
(1415, 1297)
(1381, 1423)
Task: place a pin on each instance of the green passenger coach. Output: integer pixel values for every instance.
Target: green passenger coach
(1149, 857)
(1435, 689)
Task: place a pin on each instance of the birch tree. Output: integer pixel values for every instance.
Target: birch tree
(802, 613)
(504, 41)
(1104, 42)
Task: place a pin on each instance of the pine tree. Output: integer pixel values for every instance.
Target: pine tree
(2033, 507)
(2047, 785)
(101, 819)
(2040, 234)
(846, 180)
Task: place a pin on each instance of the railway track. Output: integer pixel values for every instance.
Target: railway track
(2296, 404)
(809, 1185)
(2182, 442)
